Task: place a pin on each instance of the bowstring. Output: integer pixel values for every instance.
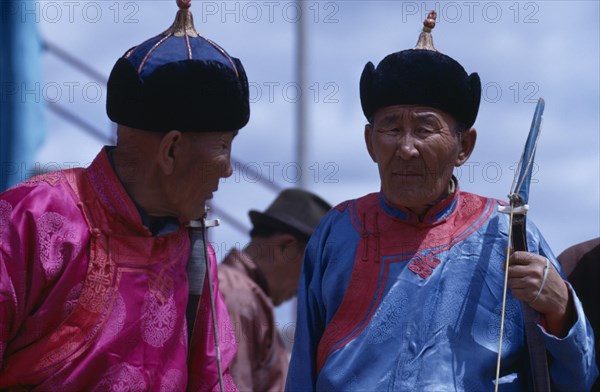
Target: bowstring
(513, 196)
(504, 294)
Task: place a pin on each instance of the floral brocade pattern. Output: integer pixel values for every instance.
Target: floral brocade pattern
(122, 378)
(158, 322)
(172, 381)
(54, 237)
(72, 299)
(115, 321)
(98, 283)
(493, 327)
(388, 317)
(5, 212)
(228, 384)
(58, 353)
(468, 206)
(51, 179)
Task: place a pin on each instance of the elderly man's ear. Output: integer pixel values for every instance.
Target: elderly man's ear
(369, 141)
(467, 144)
(170, 146)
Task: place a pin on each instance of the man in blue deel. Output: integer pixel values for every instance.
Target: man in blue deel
(402, 289)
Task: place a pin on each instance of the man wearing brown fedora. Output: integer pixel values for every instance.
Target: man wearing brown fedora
(263, 275)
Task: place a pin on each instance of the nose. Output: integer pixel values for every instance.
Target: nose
(228, 169)
(405, 147)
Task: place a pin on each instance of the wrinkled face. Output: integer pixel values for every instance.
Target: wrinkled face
(416, 149)
(204, 159)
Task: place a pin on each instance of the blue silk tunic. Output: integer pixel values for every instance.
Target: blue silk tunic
(391, 303)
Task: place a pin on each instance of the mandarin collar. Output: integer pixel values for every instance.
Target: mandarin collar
(435, 215)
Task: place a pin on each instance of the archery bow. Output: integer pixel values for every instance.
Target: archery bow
(517, 241)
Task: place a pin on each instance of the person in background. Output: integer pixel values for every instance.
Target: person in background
(581, 264)
(402, 289)
(93, 262)
(261, 276)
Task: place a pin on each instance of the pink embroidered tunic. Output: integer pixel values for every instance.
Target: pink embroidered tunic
(91, 300)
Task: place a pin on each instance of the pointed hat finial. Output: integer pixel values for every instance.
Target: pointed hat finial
(184, 4)
(425, 39)
(184, 22)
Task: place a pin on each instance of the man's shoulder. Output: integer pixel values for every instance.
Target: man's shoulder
(242, 296)
(577, 251)
(367, 200)
(470, 204)
(47, 191)
(53, 182)
(348, 208)
(471, 196)
(44, 210)
(341, 220)
(230, 275)
(571, 257)
(234, 282)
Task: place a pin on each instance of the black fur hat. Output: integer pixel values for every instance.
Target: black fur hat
(421, 76)
(179, 80)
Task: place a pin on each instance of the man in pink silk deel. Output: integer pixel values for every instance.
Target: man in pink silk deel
(93, 262)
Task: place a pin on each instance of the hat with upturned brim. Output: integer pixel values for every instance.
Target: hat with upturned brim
(294, 211)
(421, 76)
(179, 80)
